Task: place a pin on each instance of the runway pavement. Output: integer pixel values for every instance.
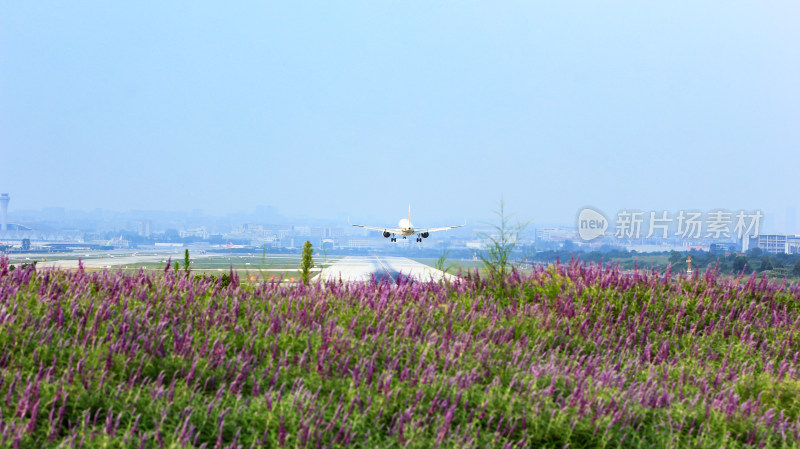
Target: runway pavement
(368, 268)
(109, 261)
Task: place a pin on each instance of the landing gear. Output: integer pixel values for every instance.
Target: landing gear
(419, 240)
(393, 239)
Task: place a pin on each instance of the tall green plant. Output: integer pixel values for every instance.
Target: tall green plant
(501, 242)
(307, 262)
(441, 261)
(186, 261)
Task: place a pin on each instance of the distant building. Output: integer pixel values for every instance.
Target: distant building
(793, 244)
(301, 230)
(360, 243)
(196, 232)
(475, 244)
(555, 234)
(119, 243)
(250, 227)
(775, 243)
(723, 248)
(266, 242)
(144, 228)
(17, 227)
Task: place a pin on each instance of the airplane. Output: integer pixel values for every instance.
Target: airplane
(405, 229)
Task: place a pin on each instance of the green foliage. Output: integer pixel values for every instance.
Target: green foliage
(441, 261)
(186, 261)
(177, 266)
(307, 262)
(501, 243)
(739, 264)
(766, 264)
(796, 269)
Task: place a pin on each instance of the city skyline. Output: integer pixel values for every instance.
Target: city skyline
(59, 218)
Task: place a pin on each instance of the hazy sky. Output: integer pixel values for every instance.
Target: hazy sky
(329, 109)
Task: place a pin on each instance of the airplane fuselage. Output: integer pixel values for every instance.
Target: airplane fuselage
(406, 228)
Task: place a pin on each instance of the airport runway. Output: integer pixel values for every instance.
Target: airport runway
(348, 269)
(111, 261)
(367, 268)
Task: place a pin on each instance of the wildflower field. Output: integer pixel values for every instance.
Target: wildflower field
(571, 355)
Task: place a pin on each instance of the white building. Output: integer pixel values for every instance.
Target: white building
(774, 243)
(195, 232)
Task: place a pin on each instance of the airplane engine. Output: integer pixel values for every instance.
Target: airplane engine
(424, 235)
(386, 234)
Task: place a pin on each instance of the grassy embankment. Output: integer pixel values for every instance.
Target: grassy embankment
(585, 356)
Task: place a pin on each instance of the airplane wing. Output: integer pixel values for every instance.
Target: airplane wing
(438, 229)
(396, 231)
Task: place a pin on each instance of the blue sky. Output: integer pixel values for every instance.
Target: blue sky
(329, 109)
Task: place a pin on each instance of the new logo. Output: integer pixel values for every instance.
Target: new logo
(591, 224)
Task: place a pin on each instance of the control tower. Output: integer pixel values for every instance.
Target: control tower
(4, 199)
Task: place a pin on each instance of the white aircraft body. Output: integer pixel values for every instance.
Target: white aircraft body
(406, 229)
